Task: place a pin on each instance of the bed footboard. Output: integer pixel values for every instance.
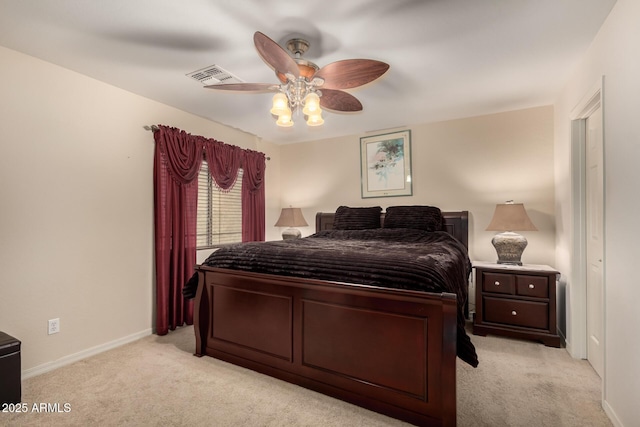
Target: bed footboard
(391, 351)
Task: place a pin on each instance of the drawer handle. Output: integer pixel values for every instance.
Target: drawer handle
(497, 283)
(531, 286)
(513, 313)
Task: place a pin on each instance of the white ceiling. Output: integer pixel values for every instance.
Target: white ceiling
(448, 58)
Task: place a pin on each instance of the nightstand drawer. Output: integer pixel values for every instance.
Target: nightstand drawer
(498, 283)
(532, 286)
(518, 313)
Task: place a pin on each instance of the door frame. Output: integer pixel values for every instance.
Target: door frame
(577, 347)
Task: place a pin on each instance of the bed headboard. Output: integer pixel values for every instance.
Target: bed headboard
(456, 224)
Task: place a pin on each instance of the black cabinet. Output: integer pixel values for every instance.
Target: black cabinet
(10, 371)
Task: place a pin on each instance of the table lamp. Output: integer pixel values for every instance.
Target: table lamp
(291, 217)
(507, 218)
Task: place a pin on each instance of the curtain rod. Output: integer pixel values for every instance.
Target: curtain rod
(154, 128)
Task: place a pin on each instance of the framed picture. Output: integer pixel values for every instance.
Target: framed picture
(385, 165)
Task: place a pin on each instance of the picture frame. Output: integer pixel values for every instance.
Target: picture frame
(385, 165)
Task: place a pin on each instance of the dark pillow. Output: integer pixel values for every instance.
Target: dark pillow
(347, 218)
(426, 218)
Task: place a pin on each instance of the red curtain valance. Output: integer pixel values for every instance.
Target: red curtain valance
(183, 152)
(224, 161)
(181, 156)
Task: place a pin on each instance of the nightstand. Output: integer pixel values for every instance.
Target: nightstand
(516, 301)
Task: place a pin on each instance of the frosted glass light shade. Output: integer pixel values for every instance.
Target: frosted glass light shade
(315, 120)
(311, 104)
(280, 104)
(284, 120)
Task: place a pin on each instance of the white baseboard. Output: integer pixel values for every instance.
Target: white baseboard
(67, 360)
(567, 343)
(611, 414)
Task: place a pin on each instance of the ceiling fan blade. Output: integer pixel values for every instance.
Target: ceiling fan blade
(245, 87)
(276, 57)
(351, 73)
(338, 100)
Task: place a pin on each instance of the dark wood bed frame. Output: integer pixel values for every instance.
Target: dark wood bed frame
(389, 350)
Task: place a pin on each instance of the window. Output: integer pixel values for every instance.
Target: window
(219, 212)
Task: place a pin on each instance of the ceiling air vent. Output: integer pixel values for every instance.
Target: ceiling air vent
(213, 75)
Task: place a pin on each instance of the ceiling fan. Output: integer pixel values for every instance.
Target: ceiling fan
(304, 84)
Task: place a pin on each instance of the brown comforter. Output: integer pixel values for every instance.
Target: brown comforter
(393, 258)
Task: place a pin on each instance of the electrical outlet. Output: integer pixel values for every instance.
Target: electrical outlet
(54, 326)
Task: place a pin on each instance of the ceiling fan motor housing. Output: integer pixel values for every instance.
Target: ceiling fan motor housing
(307, 68)
(298, 46)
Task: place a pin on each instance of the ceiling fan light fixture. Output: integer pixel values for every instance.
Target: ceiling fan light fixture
(284, 120)
(303, 83)
(315, 119)
(311, 104)
(280, 104)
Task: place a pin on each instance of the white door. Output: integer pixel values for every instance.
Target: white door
(594, 239)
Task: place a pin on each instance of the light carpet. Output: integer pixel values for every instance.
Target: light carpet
(156, 381)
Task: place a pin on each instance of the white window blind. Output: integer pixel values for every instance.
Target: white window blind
(219, 212)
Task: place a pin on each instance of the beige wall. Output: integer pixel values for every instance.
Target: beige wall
(468, 164)
(612, 55)
(76, 224)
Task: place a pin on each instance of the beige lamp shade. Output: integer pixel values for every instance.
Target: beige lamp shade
(291, 217)
(511, 217)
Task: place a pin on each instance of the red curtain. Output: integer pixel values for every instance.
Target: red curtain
(253, 203)
(178, 156)
(177, 163)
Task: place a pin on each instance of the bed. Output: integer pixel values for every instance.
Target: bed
(383, 346)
